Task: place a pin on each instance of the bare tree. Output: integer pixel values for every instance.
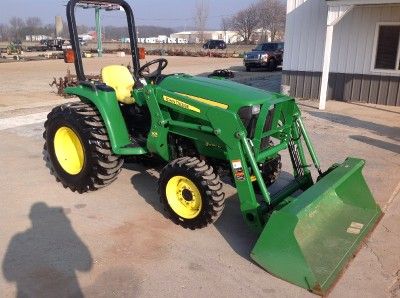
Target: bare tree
(33, 22)
(83, 29)
(272, 16)
(16, 25)
(32, 25)
(201, 17)
(245, 22)
(225, 26)
(4, 32)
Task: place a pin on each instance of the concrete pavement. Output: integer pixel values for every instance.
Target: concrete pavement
(116, 242)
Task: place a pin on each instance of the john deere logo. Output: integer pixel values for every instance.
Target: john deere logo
(181, 104)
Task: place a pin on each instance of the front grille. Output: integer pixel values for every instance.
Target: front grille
(249, 121)
(253, 57)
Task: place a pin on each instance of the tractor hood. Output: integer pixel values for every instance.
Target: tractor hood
(221, 91)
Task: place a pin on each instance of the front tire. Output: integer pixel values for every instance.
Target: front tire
(191, 193)
(77, 149)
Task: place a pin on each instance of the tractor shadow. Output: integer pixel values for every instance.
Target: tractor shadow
(232, 226)
(145, 183)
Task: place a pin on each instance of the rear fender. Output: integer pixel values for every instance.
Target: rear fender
(107, 104)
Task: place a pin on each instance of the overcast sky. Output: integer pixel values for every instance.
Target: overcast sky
(166, 13)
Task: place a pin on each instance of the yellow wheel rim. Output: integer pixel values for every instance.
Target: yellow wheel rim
(183, 197)
(69, 150)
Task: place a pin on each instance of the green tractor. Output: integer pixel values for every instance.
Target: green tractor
(15, 47)
(205, 129)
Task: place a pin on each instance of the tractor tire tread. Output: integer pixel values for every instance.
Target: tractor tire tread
(209, 185)
(103, 166)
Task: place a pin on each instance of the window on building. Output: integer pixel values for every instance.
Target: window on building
(387, 48)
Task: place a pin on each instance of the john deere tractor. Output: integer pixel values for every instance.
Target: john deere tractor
(15, 47)
(205, 129)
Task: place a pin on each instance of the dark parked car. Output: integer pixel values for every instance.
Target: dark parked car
(268, 55)
(214, 44)
(54, 44)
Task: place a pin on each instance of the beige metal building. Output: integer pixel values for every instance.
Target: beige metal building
(346, 50)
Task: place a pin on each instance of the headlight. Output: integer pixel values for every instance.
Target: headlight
(264, 57)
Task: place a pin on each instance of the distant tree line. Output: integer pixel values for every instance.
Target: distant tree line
(257, 22)
(115, 33)
(18, 28)
(254, 22)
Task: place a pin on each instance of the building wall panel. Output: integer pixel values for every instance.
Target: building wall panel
(393, 90)
(307, 85)
(315, 84)
(353, 38)
(356, 88)
(375, 89)
(383, 90)
(303, 47)
(351, 78)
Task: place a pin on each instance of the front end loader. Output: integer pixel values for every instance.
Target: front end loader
(205, 129)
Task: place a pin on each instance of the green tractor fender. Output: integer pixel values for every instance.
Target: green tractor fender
(108, 107)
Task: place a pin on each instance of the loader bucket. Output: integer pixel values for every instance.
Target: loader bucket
(309, 241)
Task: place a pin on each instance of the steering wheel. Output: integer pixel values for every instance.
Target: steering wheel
(162, 63)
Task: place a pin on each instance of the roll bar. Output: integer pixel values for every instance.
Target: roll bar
(73, 32)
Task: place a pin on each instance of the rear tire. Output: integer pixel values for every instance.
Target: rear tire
(77, 148)
(191, 193)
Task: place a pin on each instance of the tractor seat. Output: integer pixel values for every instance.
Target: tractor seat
(120, 79)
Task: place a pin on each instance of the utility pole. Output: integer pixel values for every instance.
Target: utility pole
(98, 32)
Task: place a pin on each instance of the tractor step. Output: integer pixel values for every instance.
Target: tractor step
(136, 143)
(136, 147)
(309, 241)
